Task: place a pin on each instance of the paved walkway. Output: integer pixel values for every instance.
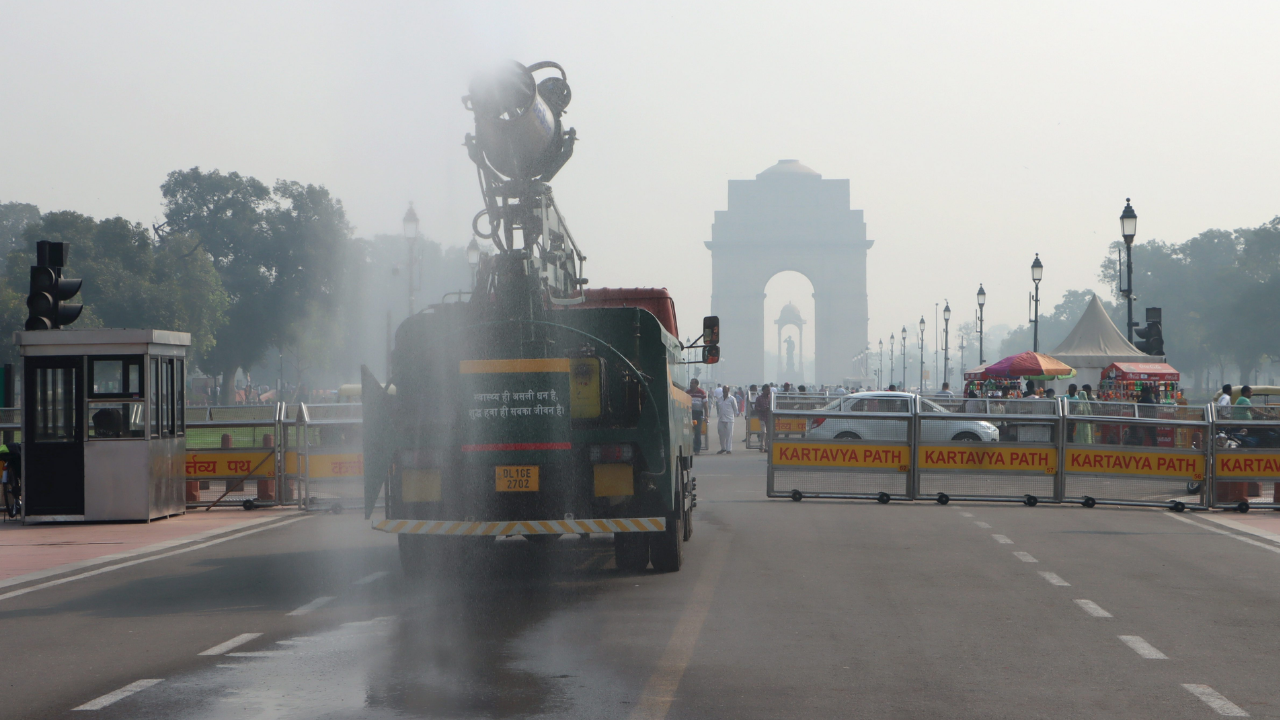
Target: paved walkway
(30, 551)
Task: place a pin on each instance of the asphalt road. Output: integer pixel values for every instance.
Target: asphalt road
(816, 609)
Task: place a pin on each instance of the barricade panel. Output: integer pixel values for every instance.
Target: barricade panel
(1246, 456)
(988, 449)
(326, 454)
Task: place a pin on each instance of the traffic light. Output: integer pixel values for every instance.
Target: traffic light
(49, 290)
(1152, 342)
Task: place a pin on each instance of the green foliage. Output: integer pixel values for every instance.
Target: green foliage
(279, 253)
(129, 280)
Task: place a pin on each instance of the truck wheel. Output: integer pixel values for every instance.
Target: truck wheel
(666, 549)
(631, 551)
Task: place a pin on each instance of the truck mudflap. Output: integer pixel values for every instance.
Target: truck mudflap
(521, 527)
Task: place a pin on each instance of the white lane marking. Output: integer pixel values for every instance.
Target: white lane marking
(260, 653)
(131, 563)
(1092, 608)
(370, 578)
(313, 605)
(1025, 557)
(1054, 579)
(115, 695)
(1142, 647)
(981, 524)
(1237, 525)
(1002, 539)
(1214, 699)
(231, 644)
(965, 514)
(1241, 538)
(69, 567)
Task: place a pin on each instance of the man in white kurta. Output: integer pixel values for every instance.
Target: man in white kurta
(726, 409)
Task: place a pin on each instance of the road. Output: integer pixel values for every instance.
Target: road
(817, 609)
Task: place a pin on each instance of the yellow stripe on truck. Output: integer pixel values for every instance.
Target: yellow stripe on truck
(532, 527)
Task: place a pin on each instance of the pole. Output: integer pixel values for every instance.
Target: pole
(946, 350)
(1128, 291)
(935, 342)
(880, 373)
(1035, 338)
(981, 357)
(409, 272)
(892, 358)
(921, 362)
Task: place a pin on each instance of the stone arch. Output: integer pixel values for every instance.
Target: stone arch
(789, 219)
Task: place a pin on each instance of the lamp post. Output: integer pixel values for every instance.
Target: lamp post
(1037, 274)
(904, 355)
(410, 235)
(921, 354)
(892, 357)
(1128, 229)
(473, 259)
(880, 372)
(961, 346)
(946, 342)
(982, 301)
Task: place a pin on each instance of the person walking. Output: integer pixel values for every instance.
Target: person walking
(763, 411)
(699, 398)
(726, 410)
(1224, 401)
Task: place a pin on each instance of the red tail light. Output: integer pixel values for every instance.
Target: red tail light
(614, 453)
(817, 422)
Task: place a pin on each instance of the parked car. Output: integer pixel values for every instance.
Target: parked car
(933, 430)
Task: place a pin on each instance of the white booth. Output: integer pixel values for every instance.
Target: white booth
(103, 424)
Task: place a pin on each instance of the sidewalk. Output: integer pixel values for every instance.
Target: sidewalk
(29, 552)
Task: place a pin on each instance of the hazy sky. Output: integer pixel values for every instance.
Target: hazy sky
(974, 135)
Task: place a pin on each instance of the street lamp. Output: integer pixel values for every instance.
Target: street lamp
(410, 235)
(1037, 274)
(473, 259)
(982, 301)
(962, 346)
(880, 373)
(891, 358)
(921, 354)
(1128, 229)
(904, 355)
(946, 342)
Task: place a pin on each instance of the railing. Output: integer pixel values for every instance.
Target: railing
(233, 457)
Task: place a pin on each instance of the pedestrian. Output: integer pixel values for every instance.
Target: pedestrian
(1224, 401)
(1241, 410)
(1084, 430)
(946, 391)
(764, 412)
(726, 410)
(699, 398)
(893, 388)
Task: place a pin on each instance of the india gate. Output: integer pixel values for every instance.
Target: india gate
(789, 218)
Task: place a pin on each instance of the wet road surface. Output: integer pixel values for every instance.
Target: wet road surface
(783, 610)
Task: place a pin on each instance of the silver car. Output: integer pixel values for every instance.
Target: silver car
(933, 430)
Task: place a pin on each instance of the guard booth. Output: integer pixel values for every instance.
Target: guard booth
(103, 424)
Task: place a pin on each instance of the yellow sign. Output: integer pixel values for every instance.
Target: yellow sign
(516, 478)
(790, 424)
(224, 465)
(983, 458)
(1122, 462)
(584, 388)
(1251, 465)
(893, 457)
(614, 479)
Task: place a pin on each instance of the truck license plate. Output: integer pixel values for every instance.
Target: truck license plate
(516, 478)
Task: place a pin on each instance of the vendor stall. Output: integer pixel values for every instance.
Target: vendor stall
(1125, 381)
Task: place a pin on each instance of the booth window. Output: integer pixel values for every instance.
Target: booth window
(55, 405)
(155, 397)
(116, 420)
(115, 377)
(180, 399)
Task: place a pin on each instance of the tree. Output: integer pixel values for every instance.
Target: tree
(277, 251)
(14, 218)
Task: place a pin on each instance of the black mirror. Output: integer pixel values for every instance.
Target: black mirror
(711, 354)
(711, 330)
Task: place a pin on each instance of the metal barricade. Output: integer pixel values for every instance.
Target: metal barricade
(233, 456)
(842, 448)
(1136, 454)
(1246, 456)
(986, 449)
(324, 452)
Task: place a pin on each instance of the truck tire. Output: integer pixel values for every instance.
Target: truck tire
(631, 551)
(666, 549)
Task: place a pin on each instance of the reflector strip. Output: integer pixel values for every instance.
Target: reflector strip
(521, 527)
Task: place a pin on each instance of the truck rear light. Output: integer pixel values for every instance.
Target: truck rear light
(817, 422)
(611, 453)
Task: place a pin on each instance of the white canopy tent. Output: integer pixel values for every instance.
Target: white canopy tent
(1092, 345)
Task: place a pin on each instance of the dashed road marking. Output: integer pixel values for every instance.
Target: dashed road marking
(1214, 699)
(116, 695)
(371, 577)
(1092, 608)
(313, 605)
(966, 514)
(981, 524)
(260, 653)
(1025, 557)
(231, 644)
(1054, 579)
(1002, 539)
(1142, 647)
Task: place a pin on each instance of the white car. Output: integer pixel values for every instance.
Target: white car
(933, 430)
